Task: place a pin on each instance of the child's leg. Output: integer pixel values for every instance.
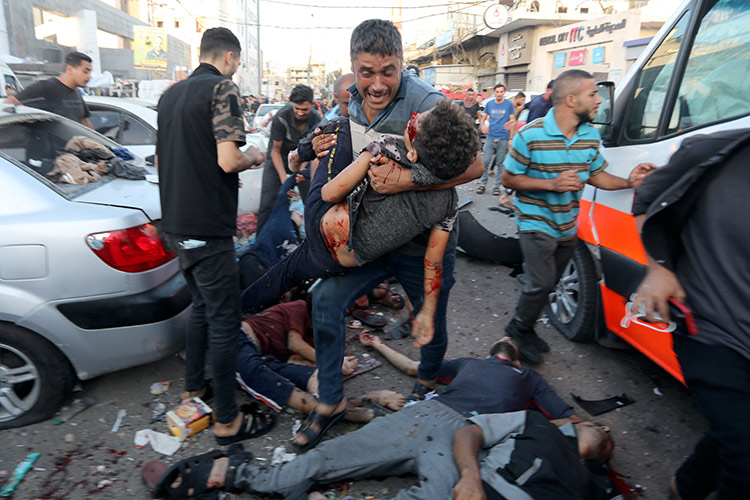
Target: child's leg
(305, 262)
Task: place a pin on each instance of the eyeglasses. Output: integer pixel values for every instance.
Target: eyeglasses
(411, 127)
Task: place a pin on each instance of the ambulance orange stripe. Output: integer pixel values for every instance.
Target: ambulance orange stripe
(617, 231)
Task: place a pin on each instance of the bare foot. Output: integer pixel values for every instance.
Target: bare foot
(323, 409)
(390, 399)
(361, 415)
(230, 429)
(215, 479)
(192, 394)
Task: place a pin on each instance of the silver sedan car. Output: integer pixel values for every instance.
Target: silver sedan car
(86, 286)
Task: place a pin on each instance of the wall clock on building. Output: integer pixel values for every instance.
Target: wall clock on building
(496, 16)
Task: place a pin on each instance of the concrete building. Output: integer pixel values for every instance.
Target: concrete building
(313, 75)
(529, 43)
(46, 30)
(186, 20)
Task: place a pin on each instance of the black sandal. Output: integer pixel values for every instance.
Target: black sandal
(418, 392)
(254, 424)
(389, 299)
(324, 422)
(193, 472)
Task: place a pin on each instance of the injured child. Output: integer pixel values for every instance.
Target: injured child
(349, 224)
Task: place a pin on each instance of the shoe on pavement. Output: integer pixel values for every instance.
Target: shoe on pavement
(527, 350)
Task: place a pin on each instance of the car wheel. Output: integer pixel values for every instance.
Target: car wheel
(35, 378)
(572, 306)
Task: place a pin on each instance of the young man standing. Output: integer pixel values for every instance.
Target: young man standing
(498, 111)
(60, 95)
(200, 133)
(382, 101)
(471, 105)
(293, 122)
(548, 164)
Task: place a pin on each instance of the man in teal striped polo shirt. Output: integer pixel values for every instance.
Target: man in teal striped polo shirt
(548, 163)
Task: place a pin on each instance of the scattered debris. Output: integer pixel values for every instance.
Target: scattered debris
(69, 438)
(657, 391)
(158, 388)
(120, 415)
(160, 442)
(104, 483)
(280, 456)
(18, 474)
(597, 407)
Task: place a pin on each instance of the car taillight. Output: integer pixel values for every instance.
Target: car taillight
(130, 250)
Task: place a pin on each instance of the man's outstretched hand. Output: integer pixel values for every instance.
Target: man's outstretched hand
(423, 329)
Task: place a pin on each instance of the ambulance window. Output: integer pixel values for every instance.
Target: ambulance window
(653, 83)
(716, 84)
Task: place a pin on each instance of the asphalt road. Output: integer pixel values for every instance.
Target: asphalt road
(652, 436)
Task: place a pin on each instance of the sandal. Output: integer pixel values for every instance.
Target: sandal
(254, 424)
(324, 422)
(496, 192)
(369, 318)
(389, 299)
(418, 392)
(194, 473)
(481, 190)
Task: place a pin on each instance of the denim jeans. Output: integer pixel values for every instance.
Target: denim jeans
(213, 280)
(335, 294)
(497, 148)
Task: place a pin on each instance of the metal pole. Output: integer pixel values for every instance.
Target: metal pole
(260, 63)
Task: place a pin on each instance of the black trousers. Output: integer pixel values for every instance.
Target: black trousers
(210, 269)
(719, 379)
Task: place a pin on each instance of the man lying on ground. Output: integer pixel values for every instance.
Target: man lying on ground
(415, 440)
(279, 334)
(494, 384)
(517, 455)
(349, 224)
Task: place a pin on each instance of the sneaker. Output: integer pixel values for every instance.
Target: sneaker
(527, 349)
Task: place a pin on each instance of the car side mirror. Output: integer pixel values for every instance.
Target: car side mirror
(603, 118)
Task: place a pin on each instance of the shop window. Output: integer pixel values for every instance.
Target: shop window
(176, 23)
(716, 82)
(159, 24)
(562, 10)
(653, 83)
(584, 10)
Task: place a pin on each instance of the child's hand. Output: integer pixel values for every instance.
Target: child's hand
(322, 143)
(369, 340)
(422, 329)
(349, 365)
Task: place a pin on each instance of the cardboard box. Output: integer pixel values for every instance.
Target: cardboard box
(190, 417)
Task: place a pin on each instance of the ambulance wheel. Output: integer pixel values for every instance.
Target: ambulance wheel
(572, 306)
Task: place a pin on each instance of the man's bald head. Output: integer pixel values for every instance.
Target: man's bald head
(570, 82)
(342, 94)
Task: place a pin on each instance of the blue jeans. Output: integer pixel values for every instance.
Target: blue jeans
(497, 148)
(213, 280)
(335, 294)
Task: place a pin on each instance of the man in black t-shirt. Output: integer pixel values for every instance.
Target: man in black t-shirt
(198, 156)
(293, 122)
(60, 95)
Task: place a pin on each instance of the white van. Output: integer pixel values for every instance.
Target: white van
(8, 79)
(694, 77)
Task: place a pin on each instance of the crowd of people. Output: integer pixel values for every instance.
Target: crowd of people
(376, 168)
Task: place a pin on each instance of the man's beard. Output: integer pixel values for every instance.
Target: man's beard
(584, 117)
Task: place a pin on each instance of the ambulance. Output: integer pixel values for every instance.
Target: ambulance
(693, 78)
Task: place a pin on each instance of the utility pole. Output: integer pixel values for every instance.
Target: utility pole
(260, 63)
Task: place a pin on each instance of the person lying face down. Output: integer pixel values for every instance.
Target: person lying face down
(349, 224)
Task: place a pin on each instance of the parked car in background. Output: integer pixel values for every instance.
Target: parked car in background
(263, 110)
(86, 286)
(133, 123)
(129, 122)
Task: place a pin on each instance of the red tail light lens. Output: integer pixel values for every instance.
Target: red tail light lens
(130, 250)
